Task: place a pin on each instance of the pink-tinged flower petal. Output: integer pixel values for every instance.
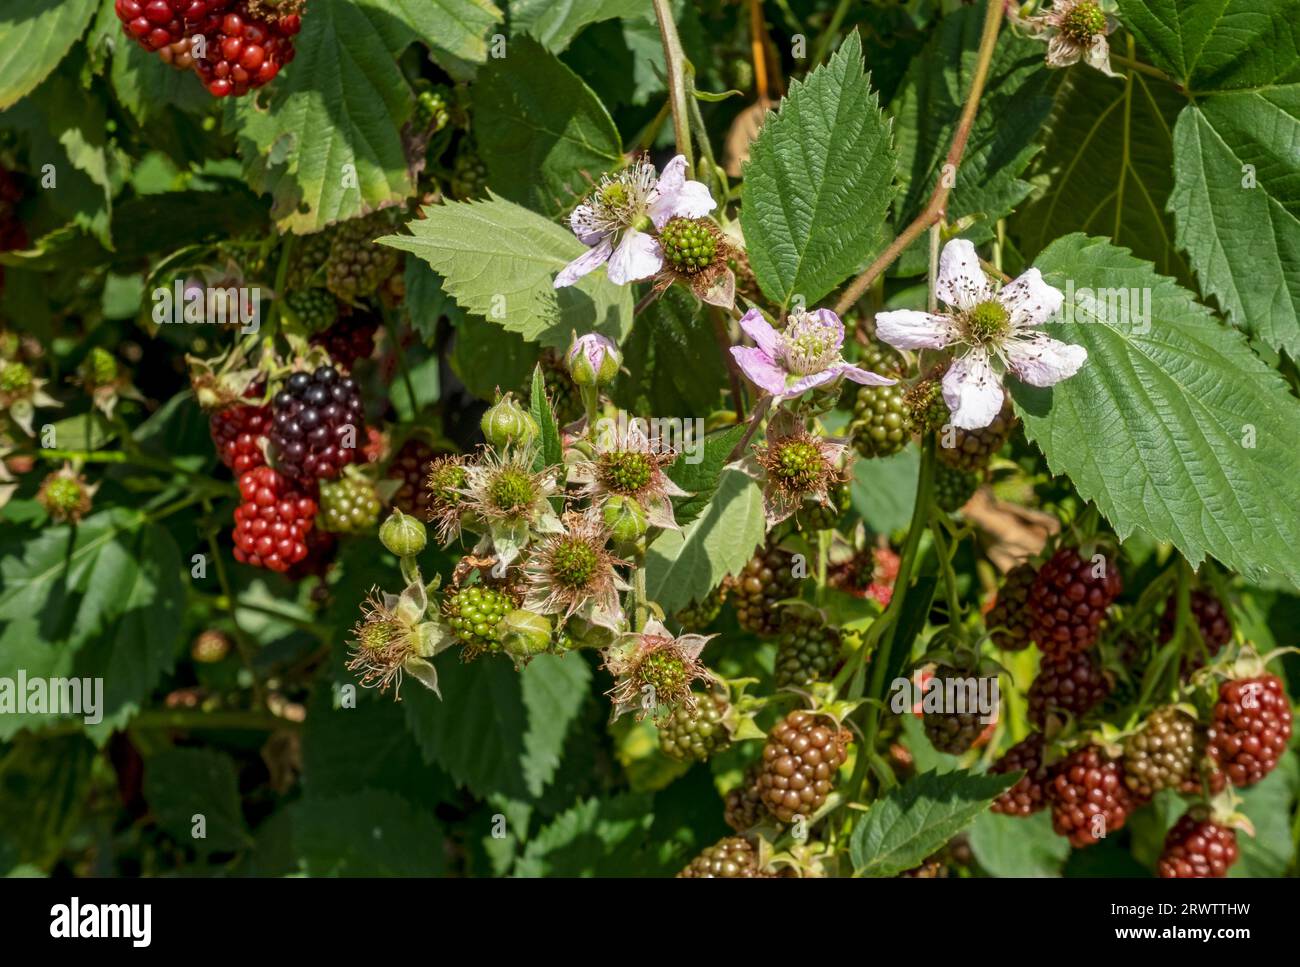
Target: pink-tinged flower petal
(972, 391)
(588, 261)
(804, 383)
(910, 329)
(760, 369)
(1098, 55)
(829, 320)
(961, 283)
(1029, 300)
(760, 330)
(638, 256)
(1062, 51)
(671, 179)
(583, 222)
(1040, 360)
(674, 196)
(863, 376)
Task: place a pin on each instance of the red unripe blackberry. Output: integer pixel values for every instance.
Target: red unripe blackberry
(1197, 847)
(1163, 754)
(1067, 602)
(1029, 794)
(238, 432)
(743, 808)
(1009, 621)
(1073, 683)
(155, 24)
(272, 523)
(243, 51)
(972, 449)
(349, 339)
(1250, 729)
(1088, 797)
(800, 760)
(318, 425)
(695, 733)
(1210, 618)
(730, 858)
(767, 579)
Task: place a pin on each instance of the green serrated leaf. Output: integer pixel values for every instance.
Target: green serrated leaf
(884, 490)
(486, 357)
(1018, 846)
(683, 566)
(698, 473)
(552, 452)
(499, 260)
(1173, 426)
(369, 833)
(914, 820)
(598, 837)
(556, 22)
(194, 794)
(1003, 138)
(542, 131)
(44, 789)
(818, 181)
(34, 36)
(454, 30)
(680, 369)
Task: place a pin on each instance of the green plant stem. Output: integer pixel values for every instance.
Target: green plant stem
(831, 29)
(1141, 68)
(945, 569)
(281, 277)
(675, 61)
(249, 720)
(936, 208)
(754, 420)
(247, 652)
(136, 460)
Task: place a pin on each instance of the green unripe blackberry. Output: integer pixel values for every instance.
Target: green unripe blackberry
(315, 310)
(1009, 621)
(972, 449)
(1163, 755)
(99, 368)
(767, 579)
(926, 406)
(881, 420)
(823, 517)
(474, 612)
(626, 472)
(797, 464)
(431, 112)
(469, 176)
(698, 733)
(730, 858)
(807, 651)
(953, 487)
(348, 505)
(65, 496)
(15, 378)
(512, 491)
(698, 616)
(689, 244)
(311, 254)
(357, 265)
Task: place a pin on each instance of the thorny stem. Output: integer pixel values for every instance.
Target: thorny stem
(935, 209)
(1141, 68)
(675, 61)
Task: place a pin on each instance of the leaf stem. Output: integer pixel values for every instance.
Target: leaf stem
(675, 62)
(937, 206)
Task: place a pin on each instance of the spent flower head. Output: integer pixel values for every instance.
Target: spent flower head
(1075, 30)
(572, 572)
(620, 220)
(798, 466)
(509, 499)
(445, 483)
(653, 670)
(627, 465)
(991, 331)
(65, 495)
(806, 354)
(393, 639)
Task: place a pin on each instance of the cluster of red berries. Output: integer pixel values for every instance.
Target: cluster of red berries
(233, 45)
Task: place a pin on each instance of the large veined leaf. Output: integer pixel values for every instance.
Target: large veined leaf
(1236, 204)
(1173, 427)
(455, 28)
(543, 132)
(370, 833)
(818, 182)
(1106, 168)
(913, 820)
(683, 566)
(1018, 845)
(327, 145)
(101, 601)
(596, 837)
(496, 730)
(1003, 138)
(556, 22)
(180, 784)
(499, 260)
(1215, 45)
(44, 790)
(34, 36)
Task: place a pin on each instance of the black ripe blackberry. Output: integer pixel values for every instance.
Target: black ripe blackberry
(1250, 728)
(314, 310)
(953, 731)
(807, 651)
(469, 175)
(953, 487)
(358, 265)
(689, 244)
(767, 579)
(318, 425)
(1163, 754)
(349, 339)
(1008, 620)
(701, 614)
(697, 733)
(743, 808)
(1197, 847)
(1211, 619)
(730, 858)
(1072, 683)
(1029, 794)
(473, 612)
(1088, 797)
(800, 759)
(348, 506)
(972, 449)
(1068, 601)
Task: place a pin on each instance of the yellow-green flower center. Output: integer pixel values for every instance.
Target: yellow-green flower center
(512, 490)
(445, 481)
(573, 562)
(1083, 22)
(988, 322)
(666, 672)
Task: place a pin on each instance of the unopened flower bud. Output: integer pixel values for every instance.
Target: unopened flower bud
(403, 535)
(507, 422)
(593, 360)
(524, 635)
(625, 519)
